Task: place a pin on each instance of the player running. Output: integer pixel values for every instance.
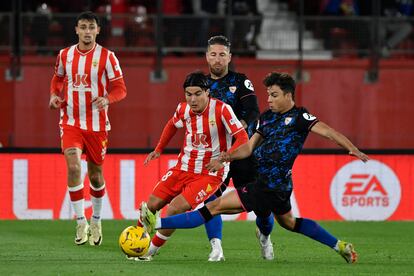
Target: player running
(90, 78)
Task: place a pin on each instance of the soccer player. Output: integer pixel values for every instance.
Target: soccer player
(209, 126)
(87, 79)
(236, 90)
(277, 142)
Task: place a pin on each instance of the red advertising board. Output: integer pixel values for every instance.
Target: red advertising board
(326, 187)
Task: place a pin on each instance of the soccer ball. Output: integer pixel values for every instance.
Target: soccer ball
(134, 241)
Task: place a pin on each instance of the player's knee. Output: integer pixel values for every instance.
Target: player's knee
(287, 222)
(74, 171)
(154, 203)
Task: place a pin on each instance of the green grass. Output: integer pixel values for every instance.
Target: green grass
(47, 248)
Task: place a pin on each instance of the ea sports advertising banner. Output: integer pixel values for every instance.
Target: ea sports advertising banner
(326, 187)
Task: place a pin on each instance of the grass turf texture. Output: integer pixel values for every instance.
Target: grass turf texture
(47, 248)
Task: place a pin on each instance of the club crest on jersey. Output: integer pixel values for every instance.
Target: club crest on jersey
(308, 116)
(249, 85)
(94, 63)
(212, 122)
(232, 89)
(288, 120)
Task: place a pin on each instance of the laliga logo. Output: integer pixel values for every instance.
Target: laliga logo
(365, 191)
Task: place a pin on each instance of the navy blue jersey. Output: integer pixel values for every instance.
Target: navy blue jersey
(236, 90)
(283, 139)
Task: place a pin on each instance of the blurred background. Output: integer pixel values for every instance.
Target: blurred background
(353, 61)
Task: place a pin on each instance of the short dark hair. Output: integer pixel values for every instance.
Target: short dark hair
(196, 78)
(88, 15)
(283, 80)
(220, 40)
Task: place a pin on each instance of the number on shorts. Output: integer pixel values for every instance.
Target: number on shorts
(168, 174)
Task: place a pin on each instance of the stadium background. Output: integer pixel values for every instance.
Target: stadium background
(344, 78)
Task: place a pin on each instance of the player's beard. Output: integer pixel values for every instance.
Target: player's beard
(218, 72)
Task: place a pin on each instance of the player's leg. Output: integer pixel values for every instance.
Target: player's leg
(226, 204)
(264, 223)
(95, 149)
(177, 206)
(245, 172)
(97, 191)
(71, 142)
(316, 232)
(214, 227)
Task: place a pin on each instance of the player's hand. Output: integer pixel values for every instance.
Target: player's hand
(55, 101)
(214, 165)
(360, 155)
(224, 157)
(100, 102)
(153, 155)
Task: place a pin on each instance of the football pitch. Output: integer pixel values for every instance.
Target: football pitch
(47, 248)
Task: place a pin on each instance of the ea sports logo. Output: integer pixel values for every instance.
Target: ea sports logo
(365, 191)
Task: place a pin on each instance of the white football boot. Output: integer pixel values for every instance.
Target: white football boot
(216, 254)
(266, 245)
(82, 232)
(95, 237)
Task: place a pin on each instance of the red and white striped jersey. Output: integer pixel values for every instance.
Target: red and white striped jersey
(87, 76)
(207, 134)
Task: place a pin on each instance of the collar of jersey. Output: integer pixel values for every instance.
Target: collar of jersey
(85, 53)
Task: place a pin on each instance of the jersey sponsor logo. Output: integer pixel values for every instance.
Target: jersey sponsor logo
(288, 120)
(199, 140)
(365, 191)
(200, 196)
(308, 117)
(249, 85)
(80, 81)
(232, 89)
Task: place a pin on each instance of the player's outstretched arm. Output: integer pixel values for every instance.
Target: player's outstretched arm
(326, 131)
(244, 150)
(151, 156)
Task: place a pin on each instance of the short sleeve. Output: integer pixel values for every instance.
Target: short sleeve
(305, 120)
(230, 120)
(59, 68)
(113, 68)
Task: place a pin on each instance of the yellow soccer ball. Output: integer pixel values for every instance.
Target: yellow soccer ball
(134, 241)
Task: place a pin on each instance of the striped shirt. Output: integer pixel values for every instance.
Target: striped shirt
(207, 134)
(87, 76)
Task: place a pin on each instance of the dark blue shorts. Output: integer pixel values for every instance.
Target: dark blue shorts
(262, 201)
